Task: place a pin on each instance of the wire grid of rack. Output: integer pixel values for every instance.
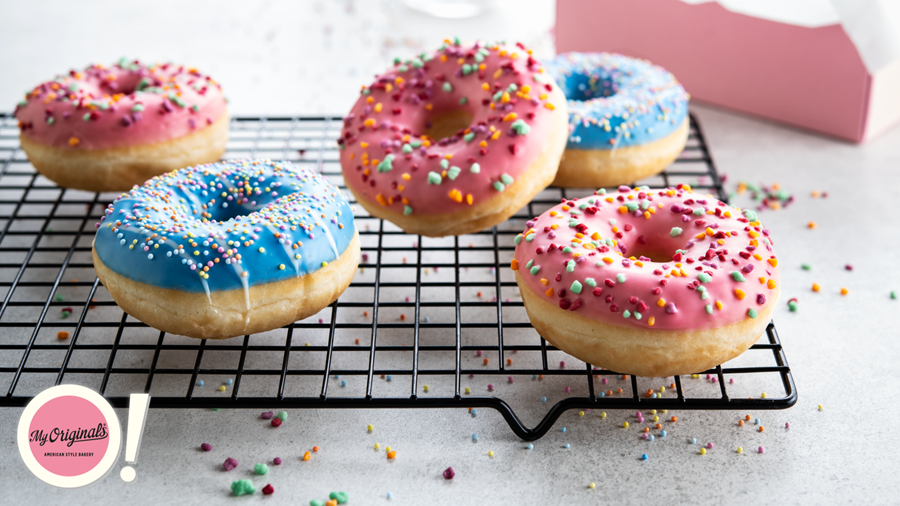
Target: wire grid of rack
(45, 269)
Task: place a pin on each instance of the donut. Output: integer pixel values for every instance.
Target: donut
(110, 128)
(227, 249)
(648, 282)
(454, 141)
(628, 119)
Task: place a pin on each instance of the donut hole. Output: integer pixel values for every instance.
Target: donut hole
(125, 83)
(657, 247)
(446, 123)
(582, 87)
(658, 255)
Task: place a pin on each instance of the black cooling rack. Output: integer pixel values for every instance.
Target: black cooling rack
(440, 312)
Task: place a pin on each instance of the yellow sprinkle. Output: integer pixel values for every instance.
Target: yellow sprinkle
(763, 395)
(468, 390)
(425, 388)
(820, 407)
(377, 446)
(702, 451)
(370, 427)
(740, 449)
(592, 485)
(491, 453)
(281, 267)
(603, 415)
(581, 413)
(222, 388)
(387, 448)
(624, 425)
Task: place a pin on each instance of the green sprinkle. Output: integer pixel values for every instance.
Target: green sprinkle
(407, 148)
(675, 232)
(195, 107)
(792, 305)
(601, 191)
(86, 117)
(893, 295)
(447, 87)
(570, 266)
(528, 265)
(506, 178)
(453, 172)
(469, 136)
(704, 277)
(750, 215)
(407, 210)
(631, 206)
(620, 277)
(529, 237)
(567, 249)
(456, 42)
(499, 186)
(340, 497)
(260, 469)
(445, 163)
(737, 276)
(512, 88)
(709, 309)
(387, 164)
(463, 101)
(466, 69)
(50, 120)
(590, 282)
(475, 168)
(434, 178)
(415, 143)
(65, 314)
(612, 222)
(397, 60)
(241, 487)
(626, 313)
(497, 96)
(416, 63)
(518, 239)
(137, 107)
(698, 212)
(520, 127)
(317, 502)
(282, 415)
(583, 206)
(704, 295)
(806, 267)
(701, 289)
(645, 204)
(535, 269)
(59, 297)
(402, 68)
(751, 313)
(576, 287)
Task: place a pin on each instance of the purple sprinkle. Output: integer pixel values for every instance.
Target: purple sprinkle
(760, 299)
(229, 464)
(529, 223)
(762, 450)
(478, 353)
(192, 123)
(670, 308)
(449, 473)
(136, 116)
(747, 269)
(267, 414)
(206, 447)
(277, 461)
(509, 379)
(676, 208)
(166, 106)
(685, 218)
(126, 121)
(567, 390)
(562, 364)
(490, 388)
(787, 425)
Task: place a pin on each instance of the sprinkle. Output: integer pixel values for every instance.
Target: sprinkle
(307, 456)
(276, 422)
(762, 450)
(592, 485)
(702, 451)
(820, 407)
(530, 446)
(740, 449)
(222, 388)
(491, 453)
(474, 437)
(206, 447)
(260, 469)
(816, 287)
(675, 232)
(241, 487)
(277, 461)
(229, 464)
(448, 473)
(844, 291)
(645, 457)
(62, 334)
(737, 276)
(434, 178)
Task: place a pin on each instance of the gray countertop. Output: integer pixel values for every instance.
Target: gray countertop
(842, 349)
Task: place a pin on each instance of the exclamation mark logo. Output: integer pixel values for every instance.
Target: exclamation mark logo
(137, 414)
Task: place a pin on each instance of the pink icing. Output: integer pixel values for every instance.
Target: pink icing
(505, 91)
(123, 105)
(631, 290)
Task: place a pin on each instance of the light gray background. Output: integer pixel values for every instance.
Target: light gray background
(310, 57)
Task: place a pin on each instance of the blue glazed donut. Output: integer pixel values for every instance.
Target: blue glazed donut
(227, 248)
(627, 118)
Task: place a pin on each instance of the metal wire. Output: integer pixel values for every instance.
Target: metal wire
(111, 352)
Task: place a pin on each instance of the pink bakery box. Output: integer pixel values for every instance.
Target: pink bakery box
(812, 78)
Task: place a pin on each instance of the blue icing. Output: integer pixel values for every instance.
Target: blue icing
(192, 217)
(617, 101)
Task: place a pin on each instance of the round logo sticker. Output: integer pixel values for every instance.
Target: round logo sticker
(69, 436)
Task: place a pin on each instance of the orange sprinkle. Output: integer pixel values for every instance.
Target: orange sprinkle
(307, 456)
(392, 454)
(62, 334)
(509, 361)
(773, 262)
(315, 449)
(365, 313)
(844, 291)
(747, 418)
(761, 428)
(811, 224)
(659, 426)
(674, 418)
(771, 284)
(549, 292)
(739, 294)
(485, 361)
(740, 422)
(357, 341)
(646, 429)
(74, 141)
(514, 265)
(816, 287)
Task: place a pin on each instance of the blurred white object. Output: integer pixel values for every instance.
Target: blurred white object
(450, 9)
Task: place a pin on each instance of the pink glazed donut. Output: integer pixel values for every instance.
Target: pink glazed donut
(110, 128)
(456, 141)
(648, 282)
